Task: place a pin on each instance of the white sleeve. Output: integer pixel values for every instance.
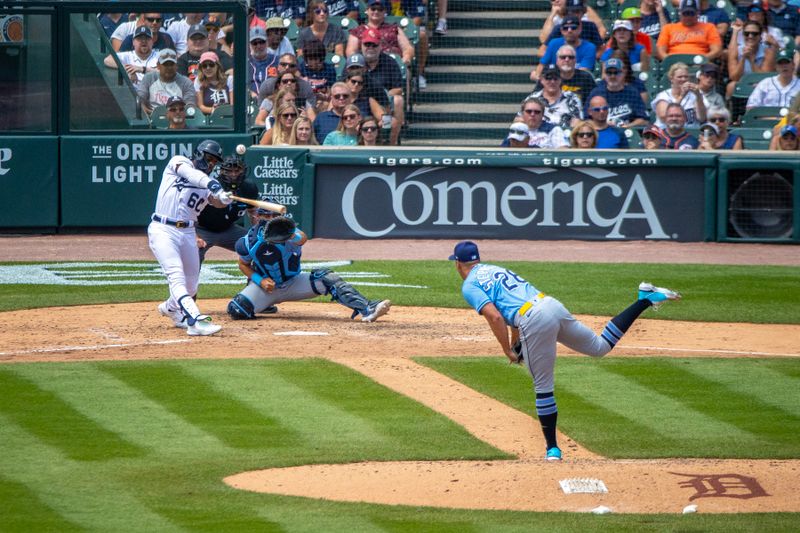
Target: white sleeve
(756, 98)
(558, 138)
(185, 169)
(122, 31)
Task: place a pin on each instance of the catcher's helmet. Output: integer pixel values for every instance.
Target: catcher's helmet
(279, 229)
(207, 154)
(266, 212)
(232, 172)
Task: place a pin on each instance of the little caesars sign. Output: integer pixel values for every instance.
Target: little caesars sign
(530, 203)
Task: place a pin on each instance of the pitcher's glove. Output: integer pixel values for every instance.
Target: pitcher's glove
(517, 349)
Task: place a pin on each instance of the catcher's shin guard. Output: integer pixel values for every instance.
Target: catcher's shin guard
(240, 308)
(340, 291)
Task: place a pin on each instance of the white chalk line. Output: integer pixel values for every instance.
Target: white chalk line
(93, 347)
(734, 352)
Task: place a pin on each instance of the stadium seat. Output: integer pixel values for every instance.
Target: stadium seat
(196, 119)
(338, 63)
(221, 117)
(744, 87)
(345, 22)
(634, 137)
(763, 117)
(158, 118)
(754, 138)
(292, 30)
(689, 59)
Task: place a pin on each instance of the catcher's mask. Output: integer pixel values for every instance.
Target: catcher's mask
(232, 172)
(279, 229)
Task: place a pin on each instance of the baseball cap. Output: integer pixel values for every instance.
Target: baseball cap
(709, 68)
(371, 36)
(175, 100)
(197, 29)
(631, 13)
(615, 64)
(466, 252)
(789, 129)
(651, 129)
(551, 71)
(258, 33)
(624, 24)
(783, 55)
(571, 19)
(518, 131)
(755, 7)
(710, 125)
(356, 60)
(574, 5)
(166, 55)
(689, 5)
(143, 30)
(374, 3)
(209, 56)
(275, 23)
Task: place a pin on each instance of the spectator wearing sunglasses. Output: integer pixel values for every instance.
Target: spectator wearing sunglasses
(390, 37)
(369, 132)
(707, 83)
(608, 136)
(541, 134)
(346, 133)
(756, 53)
(213, 87)
(122, 38)
(327, 121)
(689, 35)
(287, 63)
(623, 38)
(626, 107)
(197, 45)
(592, 27)
(583, 136)
(268, 108)
(317, 28)
(517, 136)
(585, 51)
(721, 118)
(652, 138)
(367, 105)
(280, 133)
(573, 79)
(563, 108)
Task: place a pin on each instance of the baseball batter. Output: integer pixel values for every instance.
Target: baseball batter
(185, 190)
(269, 255)
(537, 322)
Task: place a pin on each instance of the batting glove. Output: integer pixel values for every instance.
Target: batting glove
(224, 197)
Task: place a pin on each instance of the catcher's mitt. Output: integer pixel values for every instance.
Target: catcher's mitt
(517, 349)
(279, 229)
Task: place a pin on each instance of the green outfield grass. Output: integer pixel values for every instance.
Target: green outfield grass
(716, 293)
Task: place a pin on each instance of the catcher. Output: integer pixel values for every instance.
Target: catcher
(269, 255)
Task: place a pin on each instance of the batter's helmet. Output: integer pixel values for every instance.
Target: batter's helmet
(206, 153)
(279, 229)
(232, 172)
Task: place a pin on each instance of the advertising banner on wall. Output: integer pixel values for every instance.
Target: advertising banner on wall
(547, 201)
(29, 181)
(283, 176)
(112, 181)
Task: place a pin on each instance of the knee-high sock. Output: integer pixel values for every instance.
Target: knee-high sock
(548, 416)
(618, 325)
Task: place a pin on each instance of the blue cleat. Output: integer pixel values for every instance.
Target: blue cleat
(553, 454)
(656, 295)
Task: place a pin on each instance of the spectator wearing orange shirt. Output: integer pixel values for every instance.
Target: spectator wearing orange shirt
(688, 36)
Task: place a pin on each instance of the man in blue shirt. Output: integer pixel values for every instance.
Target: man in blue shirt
(785, 18)
(714, 15)
(585, 51)
(608, 136)
(528, 325)
(626, 107)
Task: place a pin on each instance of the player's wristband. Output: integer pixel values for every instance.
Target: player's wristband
(256, 278)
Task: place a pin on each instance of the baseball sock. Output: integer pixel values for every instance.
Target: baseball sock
(618, 325)
(547, 412)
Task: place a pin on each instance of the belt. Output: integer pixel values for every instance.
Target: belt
(177, 223)
(527, 305)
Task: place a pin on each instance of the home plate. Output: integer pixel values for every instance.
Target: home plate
(300, 333)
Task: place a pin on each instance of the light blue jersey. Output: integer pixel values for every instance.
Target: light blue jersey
(500, 286)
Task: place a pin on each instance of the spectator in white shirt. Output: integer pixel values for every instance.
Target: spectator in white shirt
(140, 60)
(777, 91)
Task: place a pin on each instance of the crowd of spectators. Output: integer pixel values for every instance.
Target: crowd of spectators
(594, 92)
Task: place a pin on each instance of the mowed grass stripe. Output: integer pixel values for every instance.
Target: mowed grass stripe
(56, 423)
(92, 495)
(262, 386)
(749, 376)
(200, 403)
(397, 419)
(22, 510)
(776, 431)
(120, 408)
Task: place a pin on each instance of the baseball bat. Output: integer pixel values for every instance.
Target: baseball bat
(269, 206)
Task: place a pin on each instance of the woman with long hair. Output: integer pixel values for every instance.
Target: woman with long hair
(623, 38)
(279, 133)
(266, 115)
(346, 134)
(303, 133)
(583, 136)
(755, 53)
(212, 86)
(317, 27)
(369, 133)
(291, 80)
(682, 91)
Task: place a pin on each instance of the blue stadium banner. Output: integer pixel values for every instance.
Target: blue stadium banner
(283, 176)
(558, 196)
(112, 181)
(29, 179)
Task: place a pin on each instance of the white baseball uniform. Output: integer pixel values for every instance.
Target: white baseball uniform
(183, 193)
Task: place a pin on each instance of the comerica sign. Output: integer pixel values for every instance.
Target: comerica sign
(629, 203)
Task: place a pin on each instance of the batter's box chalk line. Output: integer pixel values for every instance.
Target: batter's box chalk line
(583, 485)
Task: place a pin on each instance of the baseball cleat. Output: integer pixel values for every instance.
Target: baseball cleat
(656, 295)
(178, 320)
(375, 310)
(271, 310)
(553, 454)
(203, 326)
